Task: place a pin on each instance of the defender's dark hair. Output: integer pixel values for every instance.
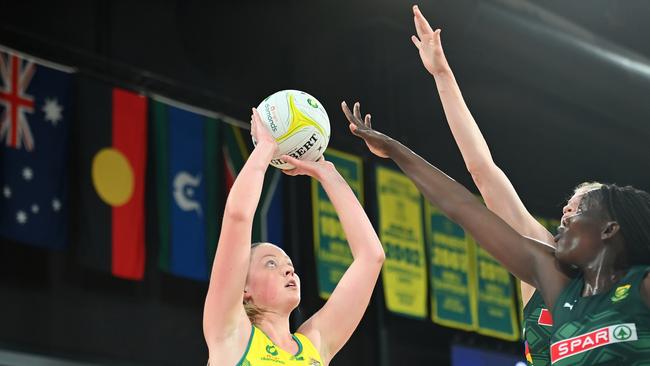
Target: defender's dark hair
(630, 207)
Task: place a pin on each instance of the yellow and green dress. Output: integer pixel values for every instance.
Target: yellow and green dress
(261, 351)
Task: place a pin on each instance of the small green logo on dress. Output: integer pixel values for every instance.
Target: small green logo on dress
(622, 332)
(270, 349)
(312, 103)
(621, 293)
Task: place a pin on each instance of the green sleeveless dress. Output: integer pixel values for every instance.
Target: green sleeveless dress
(537, 328)
(611, 328)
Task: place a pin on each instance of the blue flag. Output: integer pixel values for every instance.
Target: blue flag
(34, 128)
(187, 180)
(189, 198)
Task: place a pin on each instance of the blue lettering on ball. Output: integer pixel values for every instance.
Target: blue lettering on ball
(272, 124)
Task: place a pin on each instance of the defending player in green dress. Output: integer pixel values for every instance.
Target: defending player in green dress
(605, 239)
(496, 189)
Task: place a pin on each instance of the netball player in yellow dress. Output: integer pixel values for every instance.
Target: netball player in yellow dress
(253, 287)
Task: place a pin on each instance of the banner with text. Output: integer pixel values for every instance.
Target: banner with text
(496, 304)
(400, 230)
(451, 271)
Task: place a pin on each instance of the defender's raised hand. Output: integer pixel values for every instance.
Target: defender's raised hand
(361, 127)
(428, 43)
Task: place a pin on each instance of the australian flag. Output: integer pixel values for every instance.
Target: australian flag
(34, 133)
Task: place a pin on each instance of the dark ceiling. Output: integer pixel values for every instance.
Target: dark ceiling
(558, 87)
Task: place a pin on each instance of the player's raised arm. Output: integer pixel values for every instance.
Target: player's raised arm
(495, 187)
(520, 255)
(224, 311)
(335, 322)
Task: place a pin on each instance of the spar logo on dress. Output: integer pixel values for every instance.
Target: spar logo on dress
(595, 339)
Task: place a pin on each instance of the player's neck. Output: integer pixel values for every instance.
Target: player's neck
(276, 327)
(602, 273)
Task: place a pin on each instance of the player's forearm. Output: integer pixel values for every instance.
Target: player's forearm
(362, 238)
(246, 191)
(460, 205)
(495, 187)
(436, 186)
(469, 139)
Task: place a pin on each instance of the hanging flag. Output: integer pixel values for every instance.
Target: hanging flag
(268, 225)
(333, 256)
(112, 145)
(400, 230)
(35, 115)
(235, 153)
(188, 163)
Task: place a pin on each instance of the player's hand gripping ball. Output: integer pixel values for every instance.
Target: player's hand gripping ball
(299, 124)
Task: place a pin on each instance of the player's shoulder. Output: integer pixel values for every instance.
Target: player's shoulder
(311, 331)
(230, 349)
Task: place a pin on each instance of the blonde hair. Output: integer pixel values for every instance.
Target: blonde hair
(253, 311)
(585, 187)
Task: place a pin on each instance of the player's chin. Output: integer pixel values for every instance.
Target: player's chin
(294, 300)
(563, 254)
(294, 291)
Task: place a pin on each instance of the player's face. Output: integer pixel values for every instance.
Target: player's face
(272, 283)
(572, 205)
(578, 240)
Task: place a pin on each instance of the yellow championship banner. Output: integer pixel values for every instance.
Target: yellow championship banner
(333, 256)
(451, 272)
(400, 230)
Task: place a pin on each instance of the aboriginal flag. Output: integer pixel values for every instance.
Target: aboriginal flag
(111, 152)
